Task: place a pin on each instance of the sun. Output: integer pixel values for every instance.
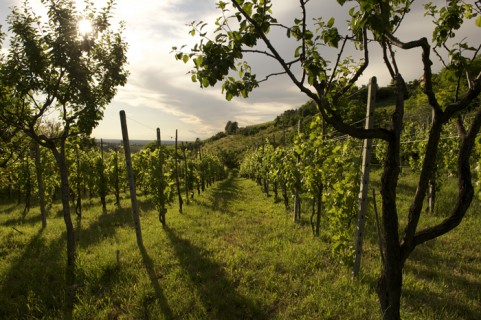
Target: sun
(84, 27)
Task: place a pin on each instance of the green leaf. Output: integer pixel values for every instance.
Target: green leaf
(248, 8)
(478, 21)
(330, 23)
(185, 58)
(297, 53)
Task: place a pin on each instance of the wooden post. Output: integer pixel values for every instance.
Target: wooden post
(297, 197)
(130, 174)
(177, 182)
(432, 182)
(186, 172)
(103, 179)
(161, 174)
(117, 178)
(366, 166)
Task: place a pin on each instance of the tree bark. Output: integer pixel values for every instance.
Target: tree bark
(41, 190)
(390, 281)
(78, 205)
(319, 208)
(71, 248)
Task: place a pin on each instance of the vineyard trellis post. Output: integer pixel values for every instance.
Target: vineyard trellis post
(102, 179)
(297, 196)
(186, 172)
(116, 178)
(161, 176)
(177, 182)
(130, 174)
(432, 181)
(366, 167)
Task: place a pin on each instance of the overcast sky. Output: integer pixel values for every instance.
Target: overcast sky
(159, 93)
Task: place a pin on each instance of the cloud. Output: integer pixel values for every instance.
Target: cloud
(160, 93)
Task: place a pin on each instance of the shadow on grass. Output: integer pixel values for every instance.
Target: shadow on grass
(222, 195)
(451, 273)
(421, 299)
(103, 227)
(33, 287)
(149, 267)
(30, 219)
(10, 207)
(218, 294)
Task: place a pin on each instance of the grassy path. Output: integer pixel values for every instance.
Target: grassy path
(232, 254)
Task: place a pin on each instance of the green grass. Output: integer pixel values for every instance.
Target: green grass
(232, 254)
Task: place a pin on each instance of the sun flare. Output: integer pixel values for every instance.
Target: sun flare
(84, 27)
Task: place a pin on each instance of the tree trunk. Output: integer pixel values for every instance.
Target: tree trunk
(276, 193)
(432, 193)
(390, 280)
(284, 194)
(78, 205)
(389, 293)
(41, 190)
(71, 249)
(319, 209)
(28, 187)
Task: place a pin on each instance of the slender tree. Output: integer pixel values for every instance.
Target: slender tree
(51, 68)
(244, 24)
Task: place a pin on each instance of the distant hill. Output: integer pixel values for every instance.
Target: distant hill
(282, 129)
(132, 142)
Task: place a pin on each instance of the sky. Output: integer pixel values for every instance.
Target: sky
(160, 93)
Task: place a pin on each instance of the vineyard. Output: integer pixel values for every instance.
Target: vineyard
(362, 203)
(219, 242)
(233, 253)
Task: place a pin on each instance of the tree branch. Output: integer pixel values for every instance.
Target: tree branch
(423, 182)
(427, 63)
(271, 75)
(465, 195)
(339, 55)
(303, 54)
(259, 51)
(274, 52)
(465, 101)
(359, 72)
(332, 118)
(386, 60)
